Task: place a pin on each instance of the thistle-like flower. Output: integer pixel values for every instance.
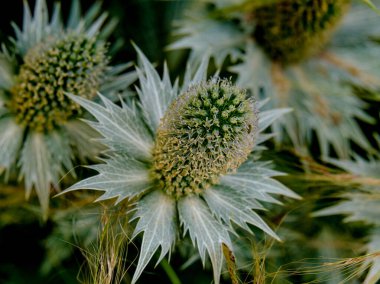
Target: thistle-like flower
(185, 153)
(40, 130)
(306, 56)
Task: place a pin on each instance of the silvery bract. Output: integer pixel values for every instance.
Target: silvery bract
(41, 134)
(362, 204)
(311, 58)
(184, 155)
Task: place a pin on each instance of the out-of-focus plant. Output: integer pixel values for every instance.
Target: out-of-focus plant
(362, 204)
(307, 57)
(41, 134)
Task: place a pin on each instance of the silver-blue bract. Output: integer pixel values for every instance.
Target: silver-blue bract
(41, 134)
(129, 132)
(362, 205)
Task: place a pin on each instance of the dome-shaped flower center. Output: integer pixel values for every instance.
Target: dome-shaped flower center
(292, 30)
(74, 64)
(206, 132)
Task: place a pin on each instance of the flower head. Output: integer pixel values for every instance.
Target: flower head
(206, 132)
(306, 55)
(290, 31)
(41, 132)
(74, 64)
(185, 153)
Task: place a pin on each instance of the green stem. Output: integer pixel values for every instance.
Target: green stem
(170, 272)
(372, 6)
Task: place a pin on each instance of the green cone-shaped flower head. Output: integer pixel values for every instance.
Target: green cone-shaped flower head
(206, 132)
(73, 64)
(292, 30)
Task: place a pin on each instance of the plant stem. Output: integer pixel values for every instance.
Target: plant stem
(170, 272)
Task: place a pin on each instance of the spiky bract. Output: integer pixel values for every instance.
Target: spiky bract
(292, 30)
(206, 132)
(41, 134)
(73, 64)
(185, 146)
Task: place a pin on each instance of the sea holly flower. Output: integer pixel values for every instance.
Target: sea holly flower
(184, 154)
(41, 134)
(310, 56)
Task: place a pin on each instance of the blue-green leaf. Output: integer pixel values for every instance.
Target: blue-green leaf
(6, 71)
(254, 179)
(373, 275)
(228, 204)
(361, 167)
(157, 220)
(205, 36)
(83, 138)
(10, 141)
(119, 177)
(195, 74)
(206, 233)
(266, 118)
(360, 206)
(122, 127)
(155, 94)
(38, 168)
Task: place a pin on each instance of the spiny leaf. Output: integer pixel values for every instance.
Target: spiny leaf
(360, 206)
(373, 275)
(35, 27)
(74, 15)
(38, 168)
(254, 71)
(123, 129)
(6, 71)
(229, 205)
(58, 143)
(255, 181)
(195, 75)
(364, 168)
(157, 220)
(80, 134)
(266, 118)
(119, 177)
(205, 232)
(10, 141)
(155, 94)
(209, 37)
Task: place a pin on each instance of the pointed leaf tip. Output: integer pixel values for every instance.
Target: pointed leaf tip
(157, 220)
(206, 233)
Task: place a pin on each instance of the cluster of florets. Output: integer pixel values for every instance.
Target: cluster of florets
(206, 132)
(74, 64)
(292, 30)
